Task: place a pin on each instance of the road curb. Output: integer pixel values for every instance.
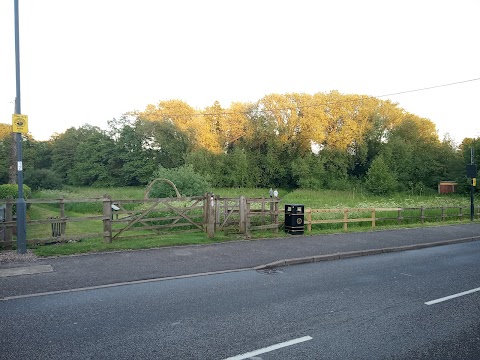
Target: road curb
(351, 254)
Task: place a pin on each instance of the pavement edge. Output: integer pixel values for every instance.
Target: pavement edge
(351, 254)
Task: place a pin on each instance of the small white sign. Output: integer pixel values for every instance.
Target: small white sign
(20, 166)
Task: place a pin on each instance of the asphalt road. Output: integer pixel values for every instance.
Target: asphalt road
(73, 272)
(361, 308)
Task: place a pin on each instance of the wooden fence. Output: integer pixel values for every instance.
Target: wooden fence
(120, 219)
(402, 215)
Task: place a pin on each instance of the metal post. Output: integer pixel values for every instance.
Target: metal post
(472, 188)
(21, 205)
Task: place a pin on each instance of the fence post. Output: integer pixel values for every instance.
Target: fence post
(345, 219)
(210, 216)
(242, 204)
(107, 219)
(309, 219)
(373, 218)
(443, 213)
(263, 210)
(247, 219)
(276, 213)
(63, 224)
(422, 214)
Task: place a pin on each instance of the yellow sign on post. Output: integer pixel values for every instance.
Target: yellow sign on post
(20, 123)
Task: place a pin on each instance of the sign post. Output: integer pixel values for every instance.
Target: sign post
(20, 124)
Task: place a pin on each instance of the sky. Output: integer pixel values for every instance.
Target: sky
(89, 61)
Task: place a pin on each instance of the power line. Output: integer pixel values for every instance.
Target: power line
(429, 88)
(327, 103)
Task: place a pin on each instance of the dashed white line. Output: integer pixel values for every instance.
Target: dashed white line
(436, 301)
(270, 348)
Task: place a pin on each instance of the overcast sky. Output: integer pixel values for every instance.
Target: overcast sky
(89, 61)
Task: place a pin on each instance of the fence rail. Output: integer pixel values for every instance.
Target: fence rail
(421, 214)
(134, 218)
(120, 219)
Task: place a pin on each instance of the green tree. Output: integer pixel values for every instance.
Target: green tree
(169, 142)
(95, 162)
(137, 159)
(380, 180)
(309, 172)
(42, 179)
(65, 147)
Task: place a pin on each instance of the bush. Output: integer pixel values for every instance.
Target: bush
(11, 190)
(187, 181)
(43, 179)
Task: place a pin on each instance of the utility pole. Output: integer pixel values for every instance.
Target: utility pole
(21, 205)
(472, 185)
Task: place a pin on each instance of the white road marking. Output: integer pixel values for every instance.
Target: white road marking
(270, 348)
(432, 302)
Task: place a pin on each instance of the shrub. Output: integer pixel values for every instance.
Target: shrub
(187, 181)
(43, 179)
(11, 190)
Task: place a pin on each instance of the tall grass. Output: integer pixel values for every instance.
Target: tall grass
(324, 199)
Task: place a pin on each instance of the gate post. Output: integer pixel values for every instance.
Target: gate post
(242, 209)
(107, 219)
(218, 208)
(210, 216)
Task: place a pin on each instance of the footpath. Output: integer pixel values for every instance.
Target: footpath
(29, 276)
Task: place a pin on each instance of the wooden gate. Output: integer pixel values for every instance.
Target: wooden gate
(229, 213)
(245, 214)
(142, 217)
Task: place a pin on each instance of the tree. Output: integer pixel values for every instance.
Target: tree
(169, 143)
(412, 152)
(96, 162)
(137, 160)
(380, 180)
(85, 156)
(309, 172)
(64, 149)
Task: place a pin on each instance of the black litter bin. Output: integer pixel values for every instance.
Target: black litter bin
(295, 219)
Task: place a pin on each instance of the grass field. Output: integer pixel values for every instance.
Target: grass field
(324, 199)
